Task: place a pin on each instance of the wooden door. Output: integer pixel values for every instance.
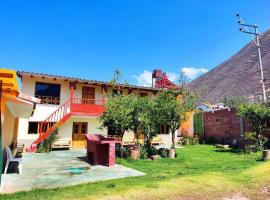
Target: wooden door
(78, 134)
(88, 95)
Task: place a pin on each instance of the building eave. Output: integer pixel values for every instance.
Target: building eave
(86, 81)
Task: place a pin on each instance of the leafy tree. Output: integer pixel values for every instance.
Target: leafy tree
(172, 107)
(146, 114)
(118, 114)
(140, 105)
(148, 119)
(234, 102)
(257, 114)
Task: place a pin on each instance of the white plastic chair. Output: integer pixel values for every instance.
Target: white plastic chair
(10, 158)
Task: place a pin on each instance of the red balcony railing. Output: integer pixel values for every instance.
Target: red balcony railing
(81, 106)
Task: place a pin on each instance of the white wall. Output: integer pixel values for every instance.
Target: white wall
(93, 124)
(23, 136)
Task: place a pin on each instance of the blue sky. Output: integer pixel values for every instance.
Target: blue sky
(91, 38)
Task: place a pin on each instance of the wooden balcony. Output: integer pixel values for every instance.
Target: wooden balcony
(48, 100)
(86, 107)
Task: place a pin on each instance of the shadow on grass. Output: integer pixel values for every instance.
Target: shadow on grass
(230, 150)
(237, 152)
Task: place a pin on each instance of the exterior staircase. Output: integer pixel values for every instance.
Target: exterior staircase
(73, 106)
(51, 123)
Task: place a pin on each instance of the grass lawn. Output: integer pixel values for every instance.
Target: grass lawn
(198, 172)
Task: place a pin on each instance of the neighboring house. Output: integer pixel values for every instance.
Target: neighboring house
(72, 105)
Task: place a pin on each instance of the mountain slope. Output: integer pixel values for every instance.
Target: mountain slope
(237, 76)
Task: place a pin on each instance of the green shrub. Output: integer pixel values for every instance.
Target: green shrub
(164, 153)
(151, 151)
(122, 152)
(253, 143)
(143, 152)
(195, 140)
(191, 140)
(45, 145)
(41, 148)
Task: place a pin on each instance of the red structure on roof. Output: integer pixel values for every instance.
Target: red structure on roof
(160, 80)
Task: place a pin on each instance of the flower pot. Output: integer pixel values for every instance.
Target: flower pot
(135, 154)
(171, 153)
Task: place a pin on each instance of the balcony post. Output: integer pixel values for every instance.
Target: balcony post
(72, 87)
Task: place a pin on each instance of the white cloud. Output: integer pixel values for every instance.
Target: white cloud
(145, 78)
(192, 72)
(172, 76)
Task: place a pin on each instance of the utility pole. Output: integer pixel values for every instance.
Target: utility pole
(244, 28)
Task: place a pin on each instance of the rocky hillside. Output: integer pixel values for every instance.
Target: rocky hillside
(237, 76)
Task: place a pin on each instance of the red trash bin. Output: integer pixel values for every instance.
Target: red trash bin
(101, 150)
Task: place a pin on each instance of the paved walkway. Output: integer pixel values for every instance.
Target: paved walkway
(59, 169)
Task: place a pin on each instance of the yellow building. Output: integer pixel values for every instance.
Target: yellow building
(14, 105)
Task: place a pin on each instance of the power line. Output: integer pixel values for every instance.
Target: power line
(255, 37)
(215, 41)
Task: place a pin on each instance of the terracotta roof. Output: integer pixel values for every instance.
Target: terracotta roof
(128, 86)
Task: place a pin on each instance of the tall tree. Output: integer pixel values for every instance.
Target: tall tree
(172, 107)
(148, 119)
(116, 76)
(118, 114)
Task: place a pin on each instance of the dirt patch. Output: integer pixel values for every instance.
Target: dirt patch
(266, 191)
(236, 196)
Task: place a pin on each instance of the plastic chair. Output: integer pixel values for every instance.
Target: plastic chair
(10, 158)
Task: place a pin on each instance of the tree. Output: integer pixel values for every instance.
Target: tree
(182, 80)
(118, 114)
(234, 101)
(148, 119)
(140, 105)
(116, 76)
(172, 107)
(257, 114)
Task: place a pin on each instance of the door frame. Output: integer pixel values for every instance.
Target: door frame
(80, 142)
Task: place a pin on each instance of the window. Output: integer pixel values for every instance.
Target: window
(32, 127)
(117, 92)
(48, 93)
(79, 127)
(164, 129)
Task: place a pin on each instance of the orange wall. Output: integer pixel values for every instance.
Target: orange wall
(186, 128)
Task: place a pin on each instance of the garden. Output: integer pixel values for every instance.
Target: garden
(198, 172)
(145, 116)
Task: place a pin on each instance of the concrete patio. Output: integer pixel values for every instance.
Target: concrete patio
(59, 169)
